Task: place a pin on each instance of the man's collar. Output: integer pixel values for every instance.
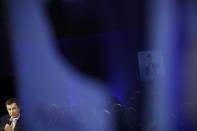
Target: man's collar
(16, 118)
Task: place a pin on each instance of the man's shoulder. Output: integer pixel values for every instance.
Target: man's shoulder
(4, 118)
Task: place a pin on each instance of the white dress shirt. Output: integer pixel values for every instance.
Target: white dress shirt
(13, 121)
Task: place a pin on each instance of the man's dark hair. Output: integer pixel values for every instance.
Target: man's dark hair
(11, 101)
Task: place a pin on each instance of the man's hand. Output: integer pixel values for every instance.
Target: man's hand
(8, 127)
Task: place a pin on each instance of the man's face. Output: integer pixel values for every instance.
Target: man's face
(13, 110)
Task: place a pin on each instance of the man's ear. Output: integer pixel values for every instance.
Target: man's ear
(6, 108)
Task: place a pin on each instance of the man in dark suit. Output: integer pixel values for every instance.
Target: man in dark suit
(11, 121)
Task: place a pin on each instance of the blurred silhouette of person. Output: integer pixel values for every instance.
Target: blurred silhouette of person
(151, 69)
